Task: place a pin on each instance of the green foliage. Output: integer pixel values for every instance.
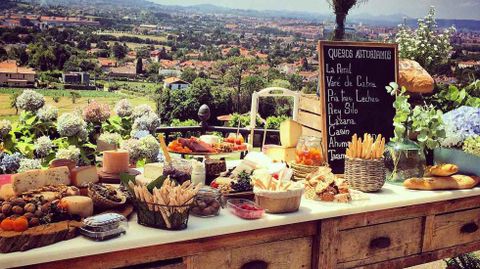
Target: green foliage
(74, 95)
(423, 121)
(273, 122)
(189, 75)
(452, 97)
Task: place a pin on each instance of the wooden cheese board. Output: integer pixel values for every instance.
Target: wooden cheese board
(114, 178)
(47, 234)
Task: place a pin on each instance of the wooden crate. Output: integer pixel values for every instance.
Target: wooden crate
(309, 115)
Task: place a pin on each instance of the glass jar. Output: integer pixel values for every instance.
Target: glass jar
(207, 203)
(179, 169)
(403, 160)
(310, 151)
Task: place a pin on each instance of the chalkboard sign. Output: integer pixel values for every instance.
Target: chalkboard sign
(353, 76)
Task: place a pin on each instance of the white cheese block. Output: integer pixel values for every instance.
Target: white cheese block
(81, 176)
(290, 132)
(210, 139)
(57, 176)
(6, 191)
(28, 180)
(78, 205)
(142, 180)
(153, 170)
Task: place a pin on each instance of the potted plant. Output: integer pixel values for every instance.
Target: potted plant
(462, 143)
(404, 157)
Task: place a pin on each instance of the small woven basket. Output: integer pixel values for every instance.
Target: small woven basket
(365, 175)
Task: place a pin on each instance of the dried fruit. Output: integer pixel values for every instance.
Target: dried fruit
(30, 207)
(18, 210)
(19, 202)
(7, 224)
(34, 222)
(6, 208)
(28, 215)
(20, 224)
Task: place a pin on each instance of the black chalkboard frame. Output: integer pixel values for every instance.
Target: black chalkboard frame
(322, 92)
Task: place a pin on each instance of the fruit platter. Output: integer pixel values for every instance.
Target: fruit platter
(208, 145)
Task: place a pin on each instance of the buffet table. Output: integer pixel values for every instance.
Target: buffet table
(392, 229)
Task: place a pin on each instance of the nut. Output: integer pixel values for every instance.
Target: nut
(17, 210)
(6, 208)
(30, 207)
(34, 222)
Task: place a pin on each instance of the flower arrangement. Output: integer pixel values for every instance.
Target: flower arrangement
(148, 122)
(426, 44)
(96, 113)
(461, 124)
(29, 164)
(123, 108)
(43, 146)
(71, 153)
(111, 138)
(141, 110)
(47, 113)
(5, 127)
(42, 134)
(71, 124)
(30, 101)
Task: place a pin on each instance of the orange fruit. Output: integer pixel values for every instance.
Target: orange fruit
(7, 224)
(20, 224)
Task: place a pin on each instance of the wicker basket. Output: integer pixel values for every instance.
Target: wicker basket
(365, 175)
(301, 171)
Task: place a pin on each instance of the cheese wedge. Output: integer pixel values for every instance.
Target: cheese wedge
(153, 170)
(29, 180)
(290, 132)
(278, 153)
(81, 176)
(57, 176)
(78, 205)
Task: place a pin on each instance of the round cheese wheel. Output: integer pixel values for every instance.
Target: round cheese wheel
(78, 205)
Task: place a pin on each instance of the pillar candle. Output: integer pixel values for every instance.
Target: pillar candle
(115, 161)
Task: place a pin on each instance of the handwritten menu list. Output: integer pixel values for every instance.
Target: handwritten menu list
(353, 80)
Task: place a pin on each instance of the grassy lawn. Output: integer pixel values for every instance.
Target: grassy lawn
(134, 46)
(134, 86)
(65, 103)
(151, 37)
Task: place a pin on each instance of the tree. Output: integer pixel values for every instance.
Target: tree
(296, 82)
(74, 96)
(119, 51)
(139, 66)
(341, 8)
(20, 54)
(189, 75)
(13, 101)
(233, 52)
(234, 69)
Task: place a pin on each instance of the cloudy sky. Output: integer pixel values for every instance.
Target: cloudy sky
(448, 9)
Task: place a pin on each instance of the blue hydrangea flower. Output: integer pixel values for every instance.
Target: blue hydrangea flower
(460, 124)
(10, 163)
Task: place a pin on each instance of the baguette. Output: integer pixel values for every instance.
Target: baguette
(442, 170)
(455, 182)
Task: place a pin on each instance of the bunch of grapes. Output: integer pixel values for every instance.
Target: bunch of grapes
(243, 183)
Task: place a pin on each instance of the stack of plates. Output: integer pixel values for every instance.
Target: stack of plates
(301, 171)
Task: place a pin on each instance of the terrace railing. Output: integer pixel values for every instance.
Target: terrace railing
(272, 136)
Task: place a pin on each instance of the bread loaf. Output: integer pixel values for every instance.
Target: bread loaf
(455, 182)
(442, 170)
